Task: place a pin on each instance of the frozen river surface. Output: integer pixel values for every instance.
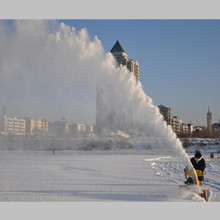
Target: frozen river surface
(123, 175)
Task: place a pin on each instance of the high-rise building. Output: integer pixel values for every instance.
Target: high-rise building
(122, 58)
(209, 120)
(113, 118)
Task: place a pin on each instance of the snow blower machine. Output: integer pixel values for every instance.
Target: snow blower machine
(194, 182)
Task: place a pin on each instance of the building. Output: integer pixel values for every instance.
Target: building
(177, 125)
(209, 120)
(216, 127)
(167, 113)
(187, 128)
(36, 125)
(51, 131)
(12, 125)
(114, 118)
(61, 128)
(79, 129)
(122, 59)
(89, 128)
(190, 128)
(197, 129)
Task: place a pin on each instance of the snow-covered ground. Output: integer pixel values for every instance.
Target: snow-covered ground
(103, 175)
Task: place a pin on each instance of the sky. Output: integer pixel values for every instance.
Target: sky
(176, 44)
(179, 60)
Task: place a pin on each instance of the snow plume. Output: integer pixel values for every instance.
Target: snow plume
(131, 110)
(50, 70)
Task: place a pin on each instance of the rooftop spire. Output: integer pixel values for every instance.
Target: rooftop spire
(117, 47)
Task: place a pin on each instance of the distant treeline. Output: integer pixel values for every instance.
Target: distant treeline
(200, 134)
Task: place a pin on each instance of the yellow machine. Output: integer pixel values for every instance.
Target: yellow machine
(195, 177)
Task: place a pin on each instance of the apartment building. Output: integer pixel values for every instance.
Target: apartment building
(133, 66)
(79, 129)
(36, 125)
(89, 128)
(61, 128)
(167, 113)
(122, 59)
(177, 125)
(110, 119)
(187, 128)
(12, 125)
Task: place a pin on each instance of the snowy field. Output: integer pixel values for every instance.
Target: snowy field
(129, 175)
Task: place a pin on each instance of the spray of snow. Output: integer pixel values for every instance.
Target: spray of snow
(50, 70)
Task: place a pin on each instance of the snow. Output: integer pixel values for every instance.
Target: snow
(129, 175)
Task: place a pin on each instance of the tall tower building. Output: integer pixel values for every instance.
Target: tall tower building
(209, 120)
(108, 116)
(122, 58)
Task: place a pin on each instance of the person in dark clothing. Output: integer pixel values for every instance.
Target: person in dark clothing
(198, 163)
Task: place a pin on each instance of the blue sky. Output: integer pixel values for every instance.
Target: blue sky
(179, 60)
